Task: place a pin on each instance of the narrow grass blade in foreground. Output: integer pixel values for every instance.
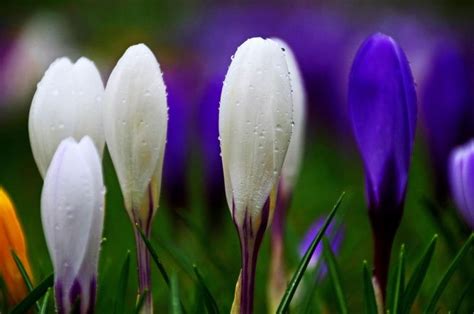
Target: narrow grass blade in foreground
(447, 276)
(209, 300)
(44, 305)
(414, 284)
(34, 295)
(24, 275)
(175, 301)
(369, 294)
(290, 291)
(122, 286)
(464, 292)
(154, 256)
(335, 277)
(399, 281)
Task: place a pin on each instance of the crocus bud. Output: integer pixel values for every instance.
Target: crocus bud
(255, 125)
(12, 240)
(67, 103)
(289, 173)
(72, 212)
(136, 119)
(461, 166)
(382, 104)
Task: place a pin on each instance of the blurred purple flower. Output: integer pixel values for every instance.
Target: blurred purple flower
(461, 166)
(208, 131)
(335, 236)
(446, 106)
(382, 104)
(178, 144)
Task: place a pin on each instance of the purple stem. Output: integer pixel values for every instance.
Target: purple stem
(144, 272)
(143, 267)
(250, 241)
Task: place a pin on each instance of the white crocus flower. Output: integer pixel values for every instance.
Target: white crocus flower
(135, 122)
(72, 212)
(67, 103)
(255, 126)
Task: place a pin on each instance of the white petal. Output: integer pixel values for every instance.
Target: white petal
(255, 123)
(72, 209)
(67, 103)
(135, 121)
(291, 166)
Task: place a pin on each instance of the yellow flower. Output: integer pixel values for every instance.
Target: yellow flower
(12, 239)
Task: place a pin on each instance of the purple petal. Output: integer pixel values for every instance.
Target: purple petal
(382, 103)
(462, 181)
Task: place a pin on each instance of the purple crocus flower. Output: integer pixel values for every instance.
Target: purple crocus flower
(335, 236)
(382, 104)
(461, 166)
(446, 108)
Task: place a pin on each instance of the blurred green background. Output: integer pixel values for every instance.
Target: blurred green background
(102, 31)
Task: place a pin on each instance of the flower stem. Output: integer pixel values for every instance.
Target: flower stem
(249, 261)
(144, 271)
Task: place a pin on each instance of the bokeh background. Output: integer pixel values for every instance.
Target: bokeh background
(194, 42)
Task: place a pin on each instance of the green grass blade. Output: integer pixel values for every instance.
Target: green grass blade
(154, 256)
(175, 300)
(466, 289)
(140, 302)
(44, 305)
(335, 276)
(293, 285)
(209, 301)
(447, 276)
(400, 281)
(369, 294)
(24, 275)
(122, 286)
(34, 295)
(414, 284)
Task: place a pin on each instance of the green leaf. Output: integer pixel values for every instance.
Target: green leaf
(34, 295)
(448, 274)
(122, 286)
(466, 289)
(44, 305)
(3, 296)
(141, 302)
(175, 301)
(414, 284)
(293, 285)
(209, 300)
(369, 294)
(400, 281)
(24, 275)
(335, 275)
(154, 256)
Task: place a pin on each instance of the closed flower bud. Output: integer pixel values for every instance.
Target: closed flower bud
(461, 172)
(72, 212)
(12, 240)
(255, 126)
(382, 104)
(135, 121)
(67, 103)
